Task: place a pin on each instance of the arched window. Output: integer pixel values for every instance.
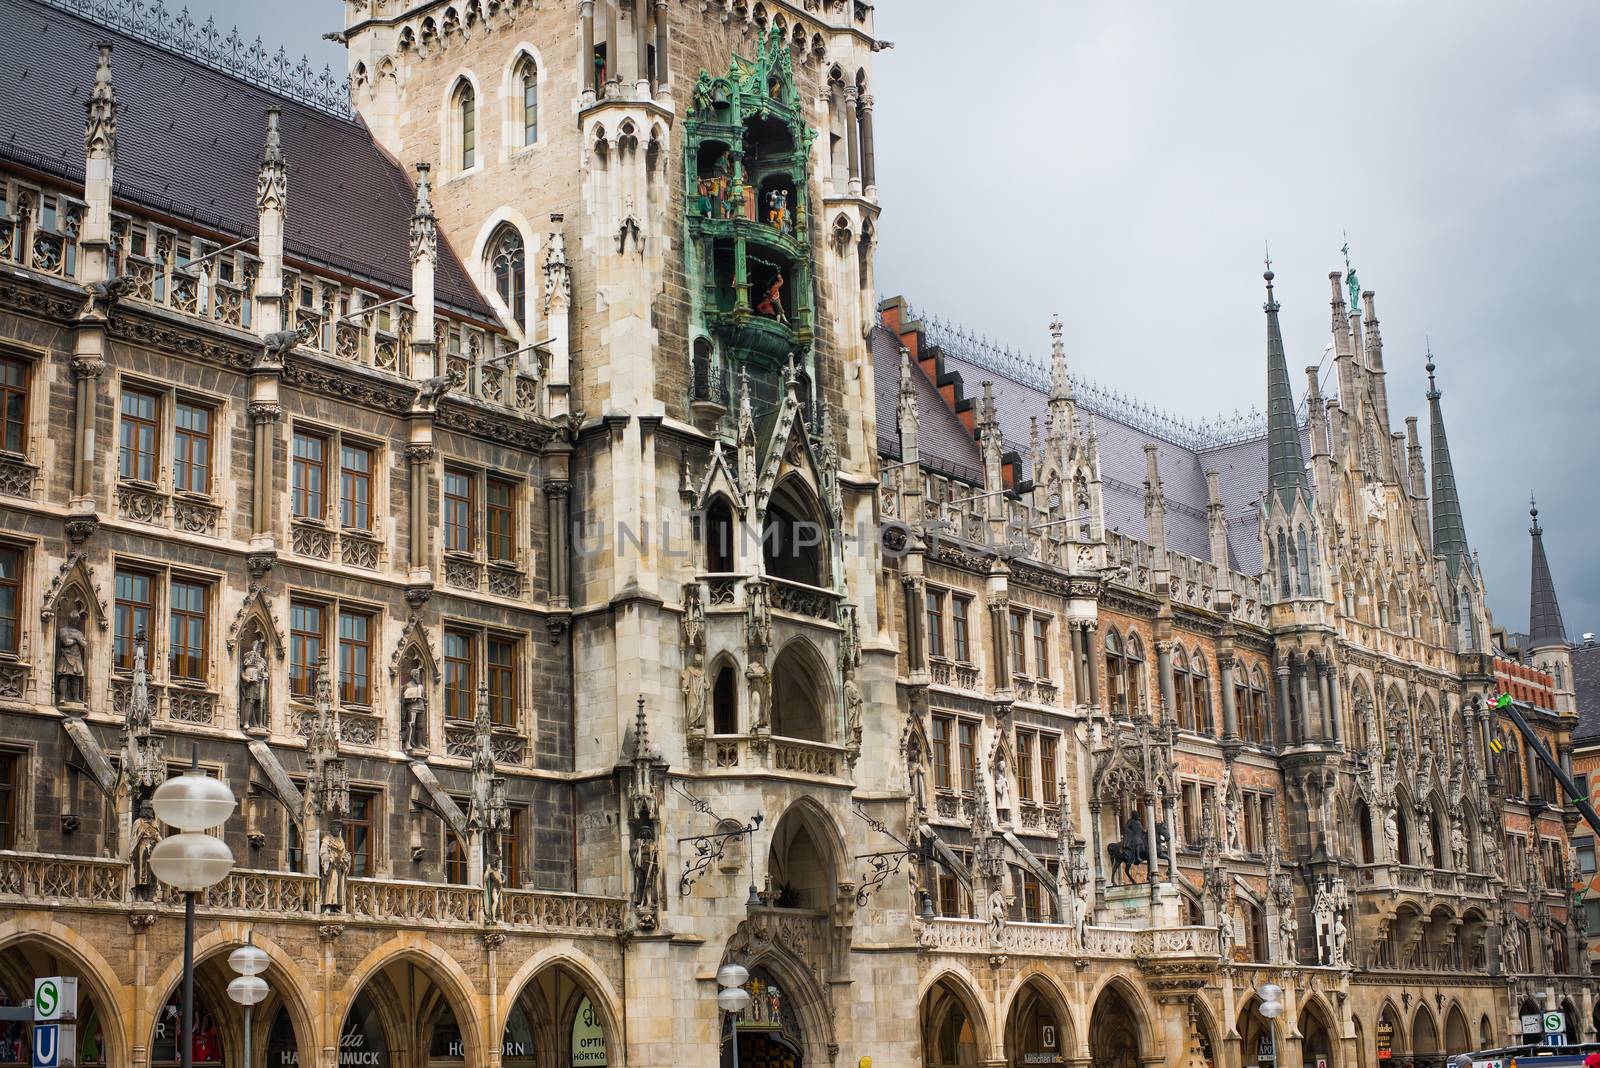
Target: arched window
(508, 264)
(1201, 681)
(1255, 714)
(1364, 820)
(1303, 562)
(719, 537)
(1136, 677)
(1283, 566)
(1184, 712)
(467, 124)
(1116, 675)
(526, 85)
(1514, 769)
(725, 702)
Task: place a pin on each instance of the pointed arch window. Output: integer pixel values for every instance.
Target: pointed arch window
(1258, 718)
(1136, 678)
(527, 87)
(467, 124)
(508, 265)
(1180, 689)
(1116, 675)
(1283, 564)
(1303, 562)
(1201, 682)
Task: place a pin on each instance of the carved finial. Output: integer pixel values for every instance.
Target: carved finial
(424, 227)
(100, 132)
(1533, 513)
(641, 733)
(1267, 250)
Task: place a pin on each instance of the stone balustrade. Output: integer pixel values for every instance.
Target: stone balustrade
(43, 879)
(1055, 940)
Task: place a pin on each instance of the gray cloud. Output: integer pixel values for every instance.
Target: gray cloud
(1123, 163)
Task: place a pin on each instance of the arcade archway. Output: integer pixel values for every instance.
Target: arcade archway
(952, 1025)
(23, 962)
(558, 1018)
(1114, 1031)
(410, 1008)
(1425, 1040)
(768, 1031)
(1038, 1028)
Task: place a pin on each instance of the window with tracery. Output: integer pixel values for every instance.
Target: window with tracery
(508, 264)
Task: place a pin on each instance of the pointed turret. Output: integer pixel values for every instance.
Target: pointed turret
(1545, 628)
(100, 158)
(271, 194)
(1063, 408)
(424, 255)
(1286, 469)
(1449, 531)
(1417, 477)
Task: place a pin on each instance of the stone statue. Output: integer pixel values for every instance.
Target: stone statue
(1322, 914)
(1458, 845)
(760, 688)
(414, 710)
(72, 658)
(1391, 835)
(1235, 820)
(854, 705)
(146, 833)
(1288, 932)
(693, 684)
(1130, 851)
(1339, 939)
(494, 882)
(253, 676)
(998, 908)
(917, 773)
(1225, 934)
(334, 858)
(1002, 782)
(646, 855)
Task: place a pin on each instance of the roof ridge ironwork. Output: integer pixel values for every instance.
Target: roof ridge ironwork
(153, 23)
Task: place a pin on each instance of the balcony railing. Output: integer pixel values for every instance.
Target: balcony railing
(803, 600)
(1051, 939)
(40, 879)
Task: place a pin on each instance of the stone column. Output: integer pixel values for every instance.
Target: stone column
(915, 659)
(1230, 707)
(1091, 656)
(662, 68)
(613, 53)
(641, 45)
(556, 503)
(869, 166)
(1169, 696)
(1285, 714)
(265, 412)
(88, 365)
(1334, 703)
(586, 46)
(999, 642)
(1324, 698)
(419, 456)
(853, 136)
(1303, 690)
(1080, 691)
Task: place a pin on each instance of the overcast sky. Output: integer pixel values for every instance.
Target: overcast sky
(1122, 164)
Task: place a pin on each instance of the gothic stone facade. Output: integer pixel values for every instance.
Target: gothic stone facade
(537, 539)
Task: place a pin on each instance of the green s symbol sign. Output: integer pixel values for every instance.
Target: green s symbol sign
(44, 999)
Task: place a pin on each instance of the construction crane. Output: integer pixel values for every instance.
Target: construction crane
(1504, 704)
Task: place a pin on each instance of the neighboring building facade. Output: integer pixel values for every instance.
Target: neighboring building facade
(583, 583)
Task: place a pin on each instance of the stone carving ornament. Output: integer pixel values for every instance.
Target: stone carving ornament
(146, 833)
(693, 684)
(334, 859)
(414, 709)
(72, 657)
(254, 679)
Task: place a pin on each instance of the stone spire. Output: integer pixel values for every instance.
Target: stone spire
(1373, 346)
(1155, 507)
(1417, 477)
(1545, 628)
(1449, 531)
(1286, 468)
(907, 409)
(272, 189)
(1062, 406)
(100, 158)
(424, 255)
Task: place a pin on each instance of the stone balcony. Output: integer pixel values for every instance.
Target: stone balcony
(1059, 940)
(41, 880)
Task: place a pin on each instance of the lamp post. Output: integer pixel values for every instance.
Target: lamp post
(249, 989)
(733, 998)
(191, 861)
(1271, 1007)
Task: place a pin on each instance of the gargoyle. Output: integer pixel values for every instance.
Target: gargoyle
(104, 295)
(278, 344)
(430, 391)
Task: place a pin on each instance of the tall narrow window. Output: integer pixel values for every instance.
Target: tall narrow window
(9, 762)
(959, 608)
(1116, 688)
(135, 605)
(141, 417)
(10, 599)
(1019, 651)
(942, 728)
(935, 623)
(725, 703)
(501, 507)
(502, 681)
(191, 448)
(355, 487)
(1025, 740)
(1303, 563)
(305, 647)
(1202, 696)
(1184, 713)
(459, 528)
(1041, 646)
(186, 652)
(310, 475)
(13, 406)
(969, 756)
(355, 658)
(358, 825)
(1047, 769)
(467, 110)
(508, 263)
(458, 675)
(528, 82)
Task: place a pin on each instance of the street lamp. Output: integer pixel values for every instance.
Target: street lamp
(191, 861)
(733, 998)
(249, 989)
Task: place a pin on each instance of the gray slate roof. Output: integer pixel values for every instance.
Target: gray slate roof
(1586, 681)
(189, 144)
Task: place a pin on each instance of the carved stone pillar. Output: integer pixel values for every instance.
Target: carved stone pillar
(264, 415)
(1336, 728)
(1092, 661)
(87, 367)
(852, 129)
(613, 53)
(916, 658)
(1285, 714)
(1169, 694)
(869, 167)
(1080, 688)
(1303, 691)
(1230, 707)
(662, 69)
(999, 641)
(419, 456)
(586, 46)
(556, 503)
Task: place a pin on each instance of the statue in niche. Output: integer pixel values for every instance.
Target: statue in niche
(778, 210)
(854, 704)
(414, 709)
(1322, 914)
(1002, 784)
(72, 657)
(1225, 934)
(1234, 817)
(1288, 928)
(334, 860)
(1458, 844)
(253, 679)
(917, 773)
(645, 853)
(771, 305)
(1340, 933)
(693, 684)
(1391, 834)
(1130, 851)
(760, 689)
(146, 833)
